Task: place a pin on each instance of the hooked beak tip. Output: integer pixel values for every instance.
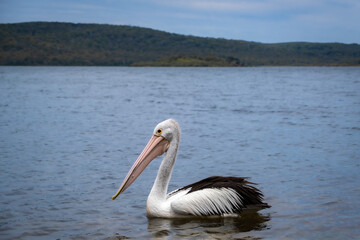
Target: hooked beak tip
(117, 194)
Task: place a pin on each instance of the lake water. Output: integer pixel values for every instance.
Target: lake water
(68, 136)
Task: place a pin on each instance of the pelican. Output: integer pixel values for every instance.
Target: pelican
(213, 196)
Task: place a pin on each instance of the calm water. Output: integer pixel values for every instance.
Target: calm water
(68, 136)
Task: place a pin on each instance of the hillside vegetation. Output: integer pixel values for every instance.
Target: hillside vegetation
(53, 43)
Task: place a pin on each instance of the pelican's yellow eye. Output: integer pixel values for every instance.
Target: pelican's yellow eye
(159, 131)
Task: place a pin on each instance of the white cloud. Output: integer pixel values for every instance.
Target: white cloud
(241, 6)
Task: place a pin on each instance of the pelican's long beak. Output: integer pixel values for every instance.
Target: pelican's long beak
(155, 147)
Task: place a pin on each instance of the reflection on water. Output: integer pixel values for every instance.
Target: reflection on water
(207, 228)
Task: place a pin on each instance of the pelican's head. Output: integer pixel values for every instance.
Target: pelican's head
(163, 135)
(168, 129)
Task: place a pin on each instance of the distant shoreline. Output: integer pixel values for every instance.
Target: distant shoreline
(69, 44)
(100, 66)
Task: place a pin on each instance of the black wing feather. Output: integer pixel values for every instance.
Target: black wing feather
(250, 196)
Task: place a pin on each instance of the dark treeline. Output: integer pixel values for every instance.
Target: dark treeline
(52, 43)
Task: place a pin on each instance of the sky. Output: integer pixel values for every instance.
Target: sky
(266, 21)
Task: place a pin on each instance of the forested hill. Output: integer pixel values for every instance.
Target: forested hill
(53, 43)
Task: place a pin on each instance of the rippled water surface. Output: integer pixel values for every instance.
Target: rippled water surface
(68, 136)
